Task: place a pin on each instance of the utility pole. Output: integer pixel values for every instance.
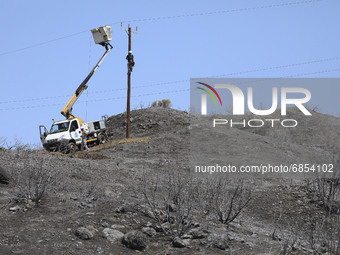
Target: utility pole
(128, 82)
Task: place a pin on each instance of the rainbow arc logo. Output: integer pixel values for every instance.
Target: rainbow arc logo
(209, 93)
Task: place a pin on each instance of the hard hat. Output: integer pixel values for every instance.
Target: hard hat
(130, 51)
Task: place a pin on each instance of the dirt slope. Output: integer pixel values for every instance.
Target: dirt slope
(100, 189)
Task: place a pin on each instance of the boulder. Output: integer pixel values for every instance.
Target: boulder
(112, 234)
(135, 239)
(180, 243)
(14, 208)
(219, 241)
(197, 233)
(84, 233)
(149, 231)
(4, 177)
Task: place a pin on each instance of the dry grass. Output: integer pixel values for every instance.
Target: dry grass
(114, 143)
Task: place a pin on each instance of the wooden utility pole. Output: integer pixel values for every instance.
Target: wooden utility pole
(128, 83)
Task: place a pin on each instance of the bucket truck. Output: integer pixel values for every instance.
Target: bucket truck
(65, 135)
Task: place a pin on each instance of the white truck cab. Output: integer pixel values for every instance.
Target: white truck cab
(65, 135)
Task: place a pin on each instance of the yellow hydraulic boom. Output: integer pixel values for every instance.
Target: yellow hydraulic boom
(67, 110)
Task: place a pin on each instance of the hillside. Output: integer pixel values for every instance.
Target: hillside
(92, 199)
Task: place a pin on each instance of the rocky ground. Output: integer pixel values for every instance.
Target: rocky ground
(95, 202)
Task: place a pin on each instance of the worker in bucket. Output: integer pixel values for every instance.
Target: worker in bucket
(130, 63)
(83, 140)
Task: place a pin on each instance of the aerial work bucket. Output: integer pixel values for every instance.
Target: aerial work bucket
(102, 34)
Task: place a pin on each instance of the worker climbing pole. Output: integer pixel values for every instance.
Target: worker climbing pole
(130, 66)
(130, 63)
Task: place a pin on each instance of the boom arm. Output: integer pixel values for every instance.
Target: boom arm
(67, 110)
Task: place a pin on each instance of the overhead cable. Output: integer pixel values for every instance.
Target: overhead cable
(164, 92)
(173, 82)
(168, 17)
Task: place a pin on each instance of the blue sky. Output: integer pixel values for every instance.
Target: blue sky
(47, 49)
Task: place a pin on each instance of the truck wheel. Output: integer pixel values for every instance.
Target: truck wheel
(101, 139)
(72, 147)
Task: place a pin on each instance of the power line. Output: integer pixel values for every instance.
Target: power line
(165, 92)
(173, 82)
(168, 17)
(219, 12)
(35, 45)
